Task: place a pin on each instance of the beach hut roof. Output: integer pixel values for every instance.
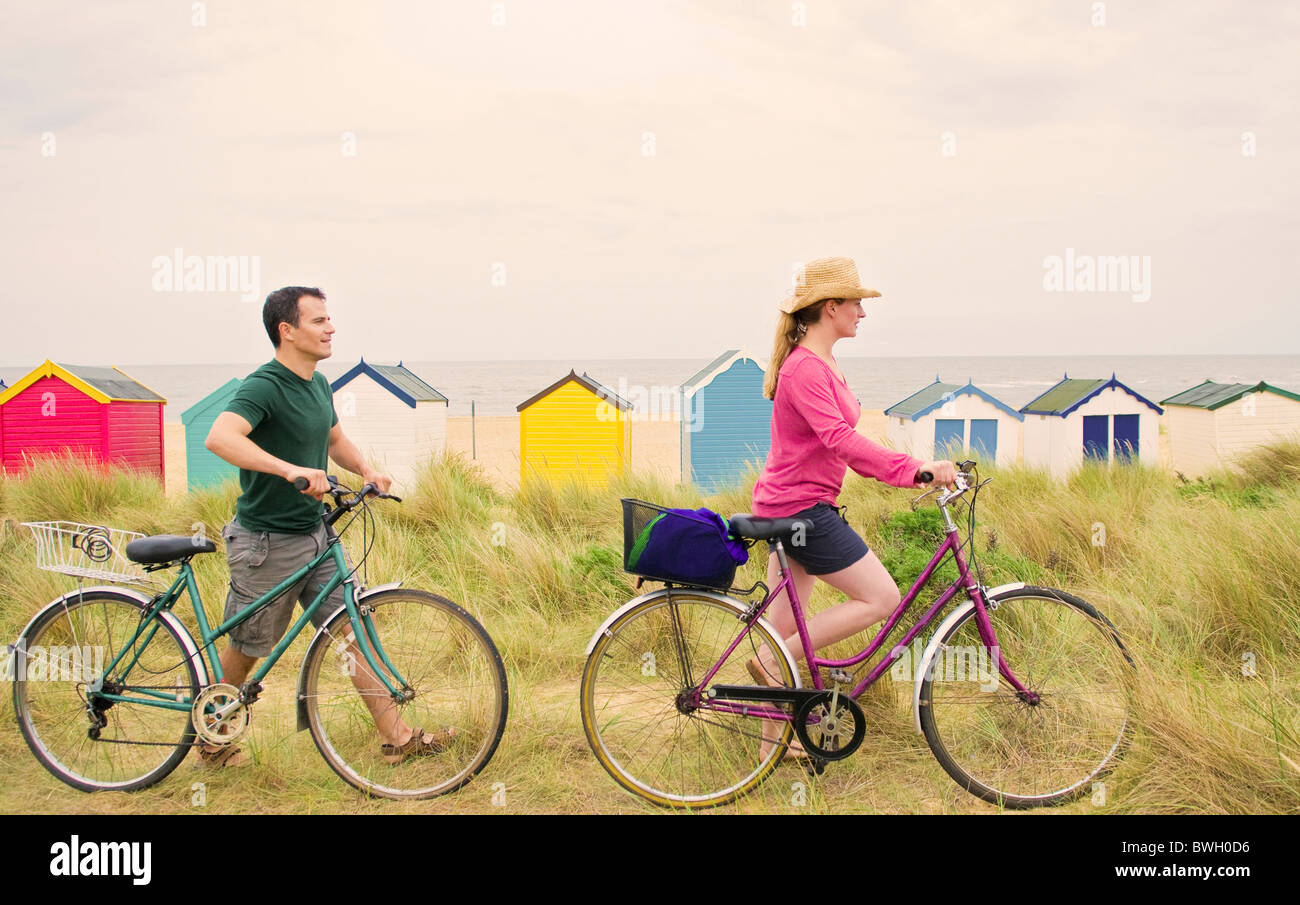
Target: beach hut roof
(704, 376)
(101, 384)
(1071, 392)
(600, 390)
(1211, 395)
(219, 396)
(398, 379)
(927, 399)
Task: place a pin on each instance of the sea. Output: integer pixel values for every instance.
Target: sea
(489, 388)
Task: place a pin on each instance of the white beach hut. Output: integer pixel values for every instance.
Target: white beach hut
(1099, 420)
(395, 418)
(1212, 423)
(942, 419)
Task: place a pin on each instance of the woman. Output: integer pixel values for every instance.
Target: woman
(813, 444)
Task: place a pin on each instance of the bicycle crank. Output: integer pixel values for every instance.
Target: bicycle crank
(830, 725)
(219, 715)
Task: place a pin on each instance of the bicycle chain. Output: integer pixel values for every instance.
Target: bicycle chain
(127, 741)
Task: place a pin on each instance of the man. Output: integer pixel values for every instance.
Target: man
(281, 426)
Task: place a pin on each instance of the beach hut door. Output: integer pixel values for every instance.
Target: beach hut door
(984, 439)
(949, 434)
(1096, 436)
(1126, 437)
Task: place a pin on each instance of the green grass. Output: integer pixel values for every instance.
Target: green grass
(1202, 579)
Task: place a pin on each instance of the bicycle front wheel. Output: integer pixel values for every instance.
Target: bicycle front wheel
(1019, 752)
(86, 740)
(455, 680)
(635, 718)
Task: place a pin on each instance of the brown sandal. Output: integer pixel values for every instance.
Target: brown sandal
(416, 746)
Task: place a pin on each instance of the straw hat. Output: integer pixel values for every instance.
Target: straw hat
(827, 278)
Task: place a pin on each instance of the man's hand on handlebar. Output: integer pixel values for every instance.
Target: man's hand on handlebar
(317, 482)
(940, 472)
(382, 482)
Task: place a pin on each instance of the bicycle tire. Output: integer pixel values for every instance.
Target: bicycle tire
(1018, 755)
(54, 714)
(459, 683)
(630, 685)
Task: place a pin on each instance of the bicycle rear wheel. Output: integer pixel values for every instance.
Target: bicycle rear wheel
(1001, 747)
(457, 682)
(86, 741)
(670, 755)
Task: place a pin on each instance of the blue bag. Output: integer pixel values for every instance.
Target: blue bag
(683, 546)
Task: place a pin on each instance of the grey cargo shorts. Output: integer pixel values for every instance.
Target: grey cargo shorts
(259, 560)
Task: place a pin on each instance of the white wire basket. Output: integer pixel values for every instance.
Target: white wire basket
(86, 551)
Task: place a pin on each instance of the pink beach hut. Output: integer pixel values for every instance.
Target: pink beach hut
(99, 415)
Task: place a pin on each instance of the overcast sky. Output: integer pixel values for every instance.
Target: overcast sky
(643, 176)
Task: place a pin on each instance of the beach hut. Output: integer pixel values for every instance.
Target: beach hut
(204, 468)
(1097, 420)
(726, 421)
(575, 429)
(942, 420)
(396, 419)
(1212, 423)
(100, 415)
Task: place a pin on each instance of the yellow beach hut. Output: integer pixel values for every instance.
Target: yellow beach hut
(574, 430)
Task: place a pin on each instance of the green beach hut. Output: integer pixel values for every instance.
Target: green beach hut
(202, 468)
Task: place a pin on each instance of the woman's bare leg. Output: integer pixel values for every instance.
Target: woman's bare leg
(872, 596)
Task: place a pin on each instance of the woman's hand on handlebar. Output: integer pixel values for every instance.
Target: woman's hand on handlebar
(941, 472)
(318, 483)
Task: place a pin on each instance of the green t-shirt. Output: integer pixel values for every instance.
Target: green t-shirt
(291, 420)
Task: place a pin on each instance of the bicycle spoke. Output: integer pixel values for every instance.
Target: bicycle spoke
(630, 692)
(1001, 746)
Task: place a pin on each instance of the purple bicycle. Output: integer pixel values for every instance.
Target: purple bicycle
(1021, 692)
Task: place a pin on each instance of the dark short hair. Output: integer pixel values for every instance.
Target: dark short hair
(282, 308)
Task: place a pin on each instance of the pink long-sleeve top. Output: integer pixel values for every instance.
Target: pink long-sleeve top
(814, 442)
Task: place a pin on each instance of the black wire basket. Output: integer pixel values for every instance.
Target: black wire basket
(700, 560)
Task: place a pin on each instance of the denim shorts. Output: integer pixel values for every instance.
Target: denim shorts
(260, 560)
(829, 545)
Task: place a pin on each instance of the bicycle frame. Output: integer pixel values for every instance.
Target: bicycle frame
(362, 626)
(965, 582)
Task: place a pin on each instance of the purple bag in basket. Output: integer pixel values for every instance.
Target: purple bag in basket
(690, 546)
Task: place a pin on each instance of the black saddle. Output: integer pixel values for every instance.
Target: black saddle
(152, 551)
(755, 528)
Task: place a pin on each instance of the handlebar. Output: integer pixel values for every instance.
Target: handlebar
(301, 483)
(960, 485)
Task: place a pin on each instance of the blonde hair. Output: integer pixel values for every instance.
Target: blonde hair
(790, 328)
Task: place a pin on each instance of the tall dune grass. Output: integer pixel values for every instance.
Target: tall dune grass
(1202, 578)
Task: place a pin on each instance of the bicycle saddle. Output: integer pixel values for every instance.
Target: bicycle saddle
(152, 551)
(756, 528)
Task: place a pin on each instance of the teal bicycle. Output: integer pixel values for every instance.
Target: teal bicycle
(112, 691)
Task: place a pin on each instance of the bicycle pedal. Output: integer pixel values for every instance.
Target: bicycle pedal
(840, 677)
(815, 766)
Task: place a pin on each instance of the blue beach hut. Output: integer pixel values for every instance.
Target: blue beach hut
(203, 468)
(726, 421)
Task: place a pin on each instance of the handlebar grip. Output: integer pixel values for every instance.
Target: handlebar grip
(924, 477)
(300, 483)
